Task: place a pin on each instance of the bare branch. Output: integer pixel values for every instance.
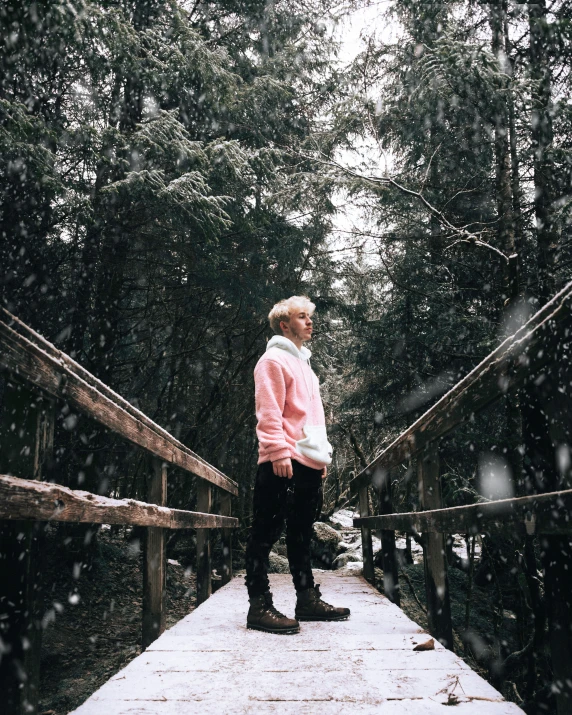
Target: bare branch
(429, 165)
(473, 240)
(388, 181)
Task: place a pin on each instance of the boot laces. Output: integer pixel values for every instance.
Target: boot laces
(271, 608)
(275, 612)
(326, 606)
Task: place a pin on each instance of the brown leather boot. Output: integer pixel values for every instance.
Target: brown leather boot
(310, 607)
(262, 616)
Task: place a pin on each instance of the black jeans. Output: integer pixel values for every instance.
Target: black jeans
(298, 502)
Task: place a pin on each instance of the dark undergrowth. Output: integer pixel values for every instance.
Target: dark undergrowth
(493, 631)
(92, 620)
(92, 617)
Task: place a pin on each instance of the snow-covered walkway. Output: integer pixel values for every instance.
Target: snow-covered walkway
(209, 663)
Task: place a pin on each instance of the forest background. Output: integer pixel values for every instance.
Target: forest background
(171, 169)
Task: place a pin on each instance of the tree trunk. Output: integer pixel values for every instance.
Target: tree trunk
(502, 152)
(542, 136)
(513, 142)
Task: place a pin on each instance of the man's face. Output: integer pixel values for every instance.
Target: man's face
(299, 326)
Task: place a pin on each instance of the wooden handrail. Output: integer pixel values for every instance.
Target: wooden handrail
(35, 337)
(45, 367)
(513, 360)
(538, 356)
(44, 501)
(549, 513)
(39, 372)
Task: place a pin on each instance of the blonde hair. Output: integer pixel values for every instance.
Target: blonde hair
(282, 310)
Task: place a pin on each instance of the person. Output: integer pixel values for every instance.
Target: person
(293, 456)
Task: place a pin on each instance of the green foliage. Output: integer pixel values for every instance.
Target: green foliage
(429, 303)
(154, 193)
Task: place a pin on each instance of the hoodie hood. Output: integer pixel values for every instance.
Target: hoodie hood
(279, 341)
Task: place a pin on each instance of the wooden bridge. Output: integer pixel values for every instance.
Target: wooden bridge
(209, 661)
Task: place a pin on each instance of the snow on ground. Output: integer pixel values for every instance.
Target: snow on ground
(344, 517)
(351, 539)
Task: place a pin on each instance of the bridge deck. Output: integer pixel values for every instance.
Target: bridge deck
(210, 663)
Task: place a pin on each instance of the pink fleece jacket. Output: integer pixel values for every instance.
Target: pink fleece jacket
(289, 408)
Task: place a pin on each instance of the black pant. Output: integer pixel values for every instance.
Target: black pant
(298, 502)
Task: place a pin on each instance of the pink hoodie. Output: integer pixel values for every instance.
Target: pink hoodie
(289, 409)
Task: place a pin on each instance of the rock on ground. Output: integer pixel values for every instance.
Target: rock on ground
(343, 518)
(352, 568)
(325, 544)
(277, 563)
(344, 559)
(280, 547)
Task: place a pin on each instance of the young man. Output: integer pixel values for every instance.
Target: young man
(293, 456)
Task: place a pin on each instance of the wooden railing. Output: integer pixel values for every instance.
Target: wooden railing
(537, 359)
(36, 376)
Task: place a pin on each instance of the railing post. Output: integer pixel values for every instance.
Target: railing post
(154, 560)
(389, 560)
(204, 582)
(26, 442)
(366, 543)
(226, 538)
(434, 556)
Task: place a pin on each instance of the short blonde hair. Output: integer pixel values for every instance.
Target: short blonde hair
(283, 309)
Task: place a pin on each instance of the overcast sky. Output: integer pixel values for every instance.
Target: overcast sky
(358, 24)
(367, 20)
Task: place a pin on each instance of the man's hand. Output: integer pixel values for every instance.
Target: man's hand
(283, 468)
(324, 472)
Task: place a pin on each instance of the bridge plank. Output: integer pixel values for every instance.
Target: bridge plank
(210, 663)
(43, 501)
(330, 707)
(53, 372)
